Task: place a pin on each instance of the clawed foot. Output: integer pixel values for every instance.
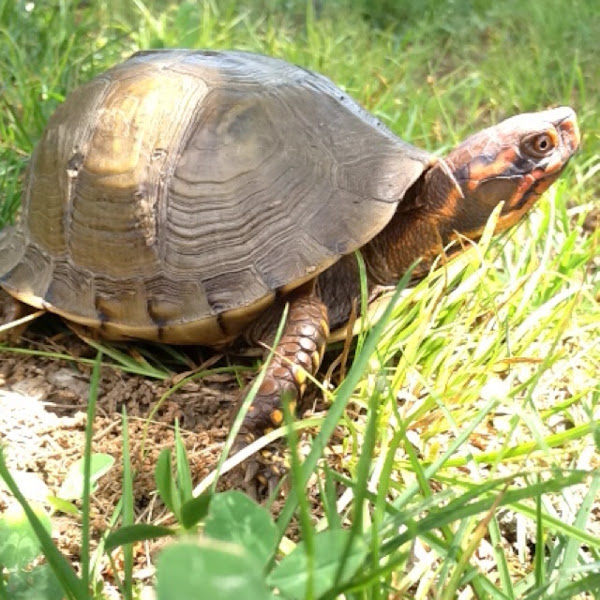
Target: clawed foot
(262, 472)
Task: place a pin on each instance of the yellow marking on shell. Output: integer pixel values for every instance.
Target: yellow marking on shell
(324, 327)
(276, 417)
(117, 140)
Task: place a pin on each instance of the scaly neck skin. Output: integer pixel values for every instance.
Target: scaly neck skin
(420, 228)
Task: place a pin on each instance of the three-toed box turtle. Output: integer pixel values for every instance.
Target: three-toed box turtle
(185, 196)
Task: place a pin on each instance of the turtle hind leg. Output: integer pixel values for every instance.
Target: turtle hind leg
(297, 355)
(12, 311)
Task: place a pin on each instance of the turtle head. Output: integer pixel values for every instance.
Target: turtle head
(512, 162)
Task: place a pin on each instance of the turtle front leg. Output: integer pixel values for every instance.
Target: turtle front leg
(298, 354)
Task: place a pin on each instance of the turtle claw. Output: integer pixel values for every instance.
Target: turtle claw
(273, 484)
(251, 469)
(260, 481)
(262, 472)
(267, 478)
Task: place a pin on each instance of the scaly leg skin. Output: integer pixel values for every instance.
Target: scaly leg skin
(298, 353)
(11, 310)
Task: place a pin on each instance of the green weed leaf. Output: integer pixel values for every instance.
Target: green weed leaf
(63, 506)
(209, 569)
(39, 583)
(194, 510)
(164, 480)
(18, 543)
(298, 573)
(234, 517)
(72, 487)
(139, 532)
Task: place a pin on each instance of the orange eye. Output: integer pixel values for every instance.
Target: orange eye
(541, 145)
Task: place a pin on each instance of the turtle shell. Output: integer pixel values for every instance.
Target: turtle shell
(172, 196)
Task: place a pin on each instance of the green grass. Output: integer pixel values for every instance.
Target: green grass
(482, 387)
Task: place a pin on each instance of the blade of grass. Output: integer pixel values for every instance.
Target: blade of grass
(87, 466)
(127, 518)
(182, 465)
(304, 515)
(459, 510)
(570, 559)
(362, 479)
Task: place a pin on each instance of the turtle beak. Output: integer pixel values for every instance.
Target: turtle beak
(565, 121)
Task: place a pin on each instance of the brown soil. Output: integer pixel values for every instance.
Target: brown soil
(43, 404)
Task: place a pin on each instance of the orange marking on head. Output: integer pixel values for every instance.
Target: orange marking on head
(480, 171)
(534, 183)
(448, 210)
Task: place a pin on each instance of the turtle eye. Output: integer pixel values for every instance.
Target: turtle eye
(540, 145)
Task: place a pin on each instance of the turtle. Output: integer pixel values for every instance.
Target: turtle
(188, 196)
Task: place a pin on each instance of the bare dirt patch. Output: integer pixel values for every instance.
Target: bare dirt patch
(43, 403)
